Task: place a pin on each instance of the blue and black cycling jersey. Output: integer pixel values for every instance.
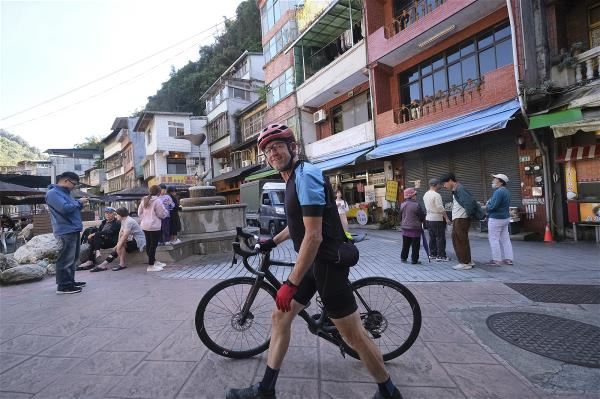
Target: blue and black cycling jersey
(308, 193)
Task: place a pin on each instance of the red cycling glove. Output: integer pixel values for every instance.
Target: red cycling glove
(284, 296)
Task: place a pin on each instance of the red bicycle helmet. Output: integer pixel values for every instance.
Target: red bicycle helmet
(275, 132)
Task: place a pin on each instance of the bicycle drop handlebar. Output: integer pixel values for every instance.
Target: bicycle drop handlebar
(243, 239)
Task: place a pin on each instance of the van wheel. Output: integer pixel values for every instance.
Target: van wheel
(272, 229)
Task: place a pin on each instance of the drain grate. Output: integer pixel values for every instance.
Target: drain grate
(569, 341)
(559, 293)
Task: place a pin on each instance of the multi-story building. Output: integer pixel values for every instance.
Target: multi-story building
(123, 154)
(95, 178)
(559, 71)
(445, 93)
(71, 160)
(334, 98)
(35, 168)
(168, 158)
(236, 89)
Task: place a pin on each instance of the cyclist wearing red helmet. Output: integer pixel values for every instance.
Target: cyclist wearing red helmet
(314, 225)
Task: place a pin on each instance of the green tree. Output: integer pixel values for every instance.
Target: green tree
(181, 93)
(91, 142)
(14, 149)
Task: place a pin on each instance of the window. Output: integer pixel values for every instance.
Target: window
(77, 166)
(280, 40)
(252, 125)
(175, 129)
(594, 23)
(241, 71)
(214, 100)
(218, 128)
(149, 137)
(470, 60)
(241, 94)
(176, 166)
(280, 87)
(272, 11)
(350, 113)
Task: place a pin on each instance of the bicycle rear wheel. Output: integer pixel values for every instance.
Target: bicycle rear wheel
(218, 318)
(390, 313)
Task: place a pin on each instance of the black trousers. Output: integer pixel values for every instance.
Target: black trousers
(408, 243)
(97, 242)
(437, 238)
(152, 239)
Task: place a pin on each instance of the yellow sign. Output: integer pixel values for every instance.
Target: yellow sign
(391, 190)
(175, 179)
(571, 180)
(589, 212)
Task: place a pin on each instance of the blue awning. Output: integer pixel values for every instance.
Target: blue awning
(342, 158)
(461, 127)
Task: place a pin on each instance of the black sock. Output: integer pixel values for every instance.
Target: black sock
(387, 388)
(110, 258)
(269, 379)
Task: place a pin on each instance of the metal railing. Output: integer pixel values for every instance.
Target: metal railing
(411, 14)
(587, 65)
(456, 95)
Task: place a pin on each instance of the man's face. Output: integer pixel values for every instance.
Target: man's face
(70, 184)
(448, 185)
(118, 217)
(110, 216)
(278, 155)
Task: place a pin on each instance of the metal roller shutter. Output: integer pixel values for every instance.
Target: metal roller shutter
(466, 164)
(437, 163)
(501, 156)
(415, 172)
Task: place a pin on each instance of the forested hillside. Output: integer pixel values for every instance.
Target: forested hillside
(14, 149)
(182, 91)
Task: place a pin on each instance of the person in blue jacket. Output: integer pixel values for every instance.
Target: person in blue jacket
(65, 215)
(498, 220)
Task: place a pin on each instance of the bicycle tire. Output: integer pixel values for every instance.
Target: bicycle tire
(209, 340)
(414, 309)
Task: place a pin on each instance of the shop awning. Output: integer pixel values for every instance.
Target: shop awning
(236, 173)
(568, 129)
(262, 174)
(555, 118)
(580, 153)
(343, 158)
(461, 127)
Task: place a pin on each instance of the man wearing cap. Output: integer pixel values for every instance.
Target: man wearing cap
(105, 237)
(65, 215)
(436, 221)
(497, 209)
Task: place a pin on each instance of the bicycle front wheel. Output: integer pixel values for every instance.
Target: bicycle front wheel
(220, 325)
(389, 312)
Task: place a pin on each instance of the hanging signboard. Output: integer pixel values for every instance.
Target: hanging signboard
(391, 190)
(370, 193)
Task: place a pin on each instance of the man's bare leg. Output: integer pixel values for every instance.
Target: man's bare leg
(122, 253)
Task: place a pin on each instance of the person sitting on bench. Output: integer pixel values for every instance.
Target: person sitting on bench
(131, 239)
(104, 237)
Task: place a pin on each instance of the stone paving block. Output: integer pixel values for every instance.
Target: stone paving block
(347, 390)
(110, 363)
(336, 368)
(183, 344)
(301, 336)
(297, 388)
(69, 324)
(12, 330)
(142, 382)
(14, 395)
(9, 360)
(300, 362)
(70, 388)
(29, 344)
(460, 353)
(85, 342)
(431, 393)
(222, 373)
(34, 374)
(443, 330)
(488, 381)
(418, 367)
(122, 319)
(144, 337)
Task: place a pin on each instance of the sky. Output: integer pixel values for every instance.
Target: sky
(48, 48)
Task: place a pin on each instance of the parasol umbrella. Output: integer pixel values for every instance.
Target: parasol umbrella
(14, 190)
(425, 245)
(135, 192)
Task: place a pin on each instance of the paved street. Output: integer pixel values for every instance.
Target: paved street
(131, 334)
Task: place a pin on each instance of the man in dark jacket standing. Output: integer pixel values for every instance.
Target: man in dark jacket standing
(65, 215)
(412, 226)
(464, 209)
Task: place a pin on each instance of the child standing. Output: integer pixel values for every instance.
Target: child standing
(412, 226)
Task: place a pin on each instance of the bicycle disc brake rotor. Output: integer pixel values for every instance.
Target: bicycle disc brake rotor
(237, 325)
(375, 323)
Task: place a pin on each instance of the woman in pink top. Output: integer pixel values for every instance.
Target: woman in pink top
(151, 212)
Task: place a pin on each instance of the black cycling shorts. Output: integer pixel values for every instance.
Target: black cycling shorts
(332, 284)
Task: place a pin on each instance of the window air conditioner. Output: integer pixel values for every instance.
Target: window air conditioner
(319, 116)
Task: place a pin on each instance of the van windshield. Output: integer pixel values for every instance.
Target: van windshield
(278, 197)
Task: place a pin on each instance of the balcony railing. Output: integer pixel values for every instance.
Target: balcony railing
(587, 65)
(455, 96)
(411, 14)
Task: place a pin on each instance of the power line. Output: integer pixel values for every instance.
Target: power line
(113, 72)
(109, 89)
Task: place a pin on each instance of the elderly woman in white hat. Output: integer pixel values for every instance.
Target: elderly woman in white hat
(498, 220)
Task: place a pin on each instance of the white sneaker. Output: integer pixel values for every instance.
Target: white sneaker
(154, 268)
(462, 266)
(175, 242)
(159, 264)
(472, 263)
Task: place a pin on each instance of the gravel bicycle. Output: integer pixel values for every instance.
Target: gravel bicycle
(233, 318)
